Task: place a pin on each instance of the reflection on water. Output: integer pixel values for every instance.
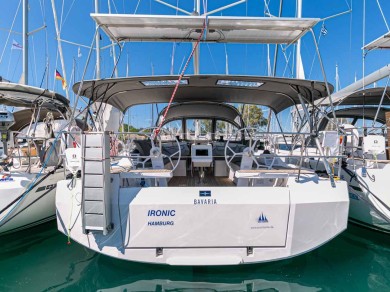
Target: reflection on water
(40, 260)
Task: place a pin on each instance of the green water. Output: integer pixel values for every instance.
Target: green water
(40, 260)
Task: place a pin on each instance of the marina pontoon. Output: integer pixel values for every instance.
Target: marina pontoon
(30, 155)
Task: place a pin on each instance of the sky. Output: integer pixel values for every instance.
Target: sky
(341, 45)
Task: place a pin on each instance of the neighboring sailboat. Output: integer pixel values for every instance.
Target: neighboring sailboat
(367, 167)
(30, 162)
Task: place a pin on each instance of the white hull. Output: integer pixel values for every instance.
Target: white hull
(365, 208)
(235, 225)
(35, 207)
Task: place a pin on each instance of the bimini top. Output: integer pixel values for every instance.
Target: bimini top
(370, 96)
(226, 29)
(24, 116)
(19, 95)
(368, 113)
(276, 93)
(382, 42)
(202, 110)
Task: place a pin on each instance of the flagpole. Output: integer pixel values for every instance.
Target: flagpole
(59, 46)
(25, 42)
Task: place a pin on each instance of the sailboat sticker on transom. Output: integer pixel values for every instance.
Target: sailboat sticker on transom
(262, 219)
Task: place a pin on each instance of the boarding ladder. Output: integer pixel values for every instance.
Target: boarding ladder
(96, 180)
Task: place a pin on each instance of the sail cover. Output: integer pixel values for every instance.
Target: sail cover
(225, 29)
(382, 42)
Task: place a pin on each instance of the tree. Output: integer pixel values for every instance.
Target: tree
(252, 115)
(129, 128)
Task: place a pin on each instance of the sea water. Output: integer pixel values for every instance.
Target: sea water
(40, 259)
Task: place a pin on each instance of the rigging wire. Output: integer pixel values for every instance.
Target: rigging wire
(246, 45)
(212, 58)
(180, 77)
(174, 46)
(43, 77)
(364, 59)
(67, 14)
(34, 60)
(288, 66)
(182, 64)
(314, 55)
(136, 8)
(62, 14)
(42, 5)
(383, 16)
(16, 65)
(287, 59)
(116, 9)
(55, 68)
(9, 63)
(9, 33)
(350, 34)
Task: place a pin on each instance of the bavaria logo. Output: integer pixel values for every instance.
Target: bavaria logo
(262, 219)
(204, 193)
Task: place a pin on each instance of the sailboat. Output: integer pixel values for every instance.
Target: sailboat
(30, 155)
(32, 143)
(194, 196)
(366, 167)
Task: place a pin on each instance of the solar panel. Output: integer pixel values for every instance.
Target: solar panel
(225, 29)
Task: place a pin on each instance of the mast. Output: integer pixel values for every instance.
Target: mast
(197, 12)
(59, 45)
(25, 43)
(97, 41)
(277, 46)
(109, 117)
(299, 73)
(196, 52)
(112, 45)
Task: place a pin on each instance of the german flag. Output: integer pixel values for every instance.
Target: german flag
(59, 77)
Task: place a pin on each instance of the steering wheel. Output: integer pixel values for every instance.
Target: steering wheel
(155, 136)
(248, 151)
